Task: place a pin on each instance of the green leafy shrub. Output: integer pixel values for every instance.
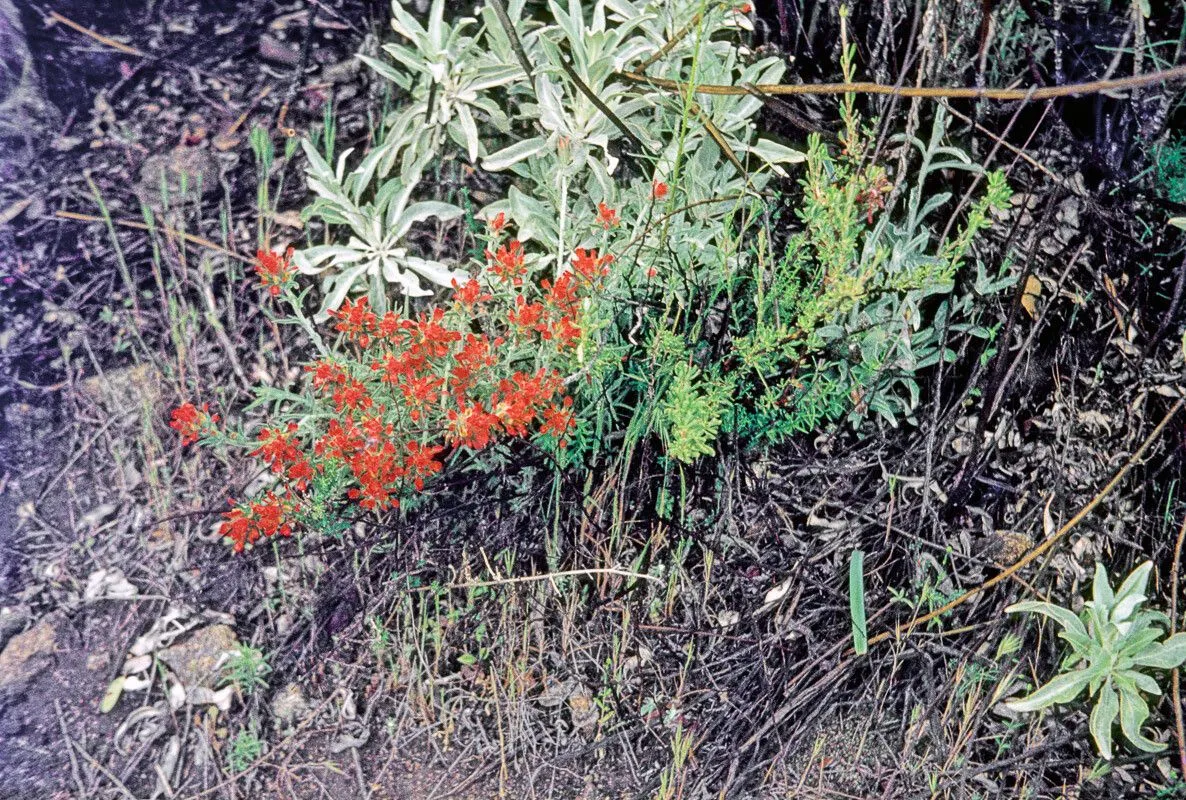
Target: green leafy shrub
(246, 670)
(839, 325)
(1112, 640)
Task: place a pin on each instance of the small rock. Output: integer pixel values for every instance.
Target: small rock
(121, 389)
(272, 49)
(196, 661)
(290, 706)
(583, 710)
(108, 585)
(28, 653)
(196, 167)
(13, 620)
(201, 696)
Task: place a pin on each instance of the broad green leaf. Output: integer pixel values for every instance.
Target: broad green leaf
(1062, 616)
(1135, 583)
(342, 285)
(406, 25)
(1124, 609)
(386, 70)
(418, 212)
(1101, 590)
(112, 695)
(509, 156)
(435, 271)
(403, 278)
(469, 130)
(391, 198)
(310, 261)
(1169, 654)
(774, 153)
(1062, 689)
(411, 59)
(491, 76)
(1102, 717)
(1141, 681)
(436, 25)
(1138, 641)
(1133, 713)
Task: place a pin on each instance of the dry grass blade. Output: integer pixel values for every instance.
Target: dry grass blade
(719, 138)
(676, 38)
(508, 27)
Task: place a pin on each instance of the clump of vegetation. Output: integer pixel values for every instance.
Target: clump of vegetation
(591, 313)
(1170, 169)
(1112, 640)
(246, 669)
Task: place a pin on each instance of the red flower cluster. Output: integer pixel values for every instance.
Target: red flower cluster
(872, 198)
(274, 270)
(558, 421)
(192, 422)
(591, 266)
(461, 375)
(606, 216)
(281, 450)
(356, 320)
(469, 295)
(246, 524)
(508, 262)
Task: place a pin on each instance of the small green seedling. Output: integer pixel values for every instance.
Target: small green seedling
(1111, 640)
(245, 669)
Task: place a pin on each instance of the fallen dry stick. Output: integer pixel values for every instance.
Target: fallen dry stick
(968, 92)
(98, 37)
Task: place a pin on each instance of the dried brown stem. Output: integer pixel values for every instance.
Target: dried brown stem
(968, 92)
(140, 226)
(98, 37)
(1175, 679)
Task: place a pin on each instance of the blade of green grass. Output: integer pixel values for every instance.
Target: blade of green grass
(856, 602)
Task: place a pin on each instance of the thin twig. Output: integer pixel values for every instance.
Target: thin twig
(140, 226)
(82, 792)
(966, 92)
(1175, 679)
(508, 27)
(676, 38)
(116, 782)
(80, 452)
(1012, 148)
(98, 37)
(291, 737)
(547, 576)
